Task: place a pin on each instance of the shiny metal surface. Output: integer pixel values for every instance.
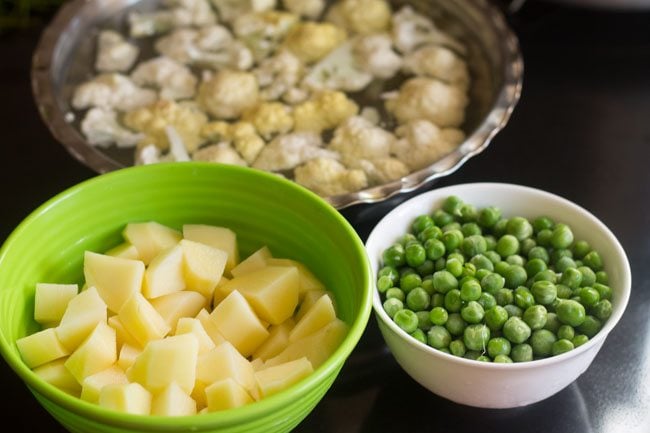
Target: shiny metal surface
(65, 53)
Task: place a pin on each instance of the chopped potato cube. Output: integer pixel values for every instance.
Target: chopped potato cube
(277, 378)
(226, 394)
(51, 300)
(126, 397)
(98, 352)
(218, 237)
(150, 238)
(173, 401)
(41, 347)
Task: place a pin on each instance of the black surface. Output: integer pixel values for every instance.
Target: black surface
(581, 130)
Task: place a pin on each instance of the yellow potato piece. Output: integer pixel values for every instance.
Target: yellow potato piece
(115, 278)
(142, 321)
(40, 348)
(277, 378)
(127, 356)
(93, 384)
(150, 238)
(124, 250)
(320, 314)
(278, 340)
(164, 274)
(98, 352)
(129, 398)
(191, 325)
(226, 394)
(123, 336)
(173, 401)
(203, 266)
(55, 373)
(210, 327)
(308, 281)
(81, 316)
(175, 305)
(309, 298)
(224, 361)
(51, 300)
(221, 238)
(253, 262)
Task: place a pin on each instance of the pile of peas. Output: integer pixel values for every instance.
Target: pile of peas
(474, 284)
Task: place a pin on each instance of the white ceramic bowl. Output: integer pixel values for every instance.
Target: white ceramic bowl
(494, 385)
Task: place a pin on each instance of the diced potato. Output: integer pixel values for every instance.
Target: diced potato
(55, 373)
(272, 291)
(142, 320)
(123, 336)
(93, 384)
(253, 262)
(226, 394)
(127, 356)
(150, 238)
(238, 323)
(41, 347)
(172, 359)
(81, 316)
(317, 347)
(278, 340)
(257, 364)
(224, 361)
(210, 327)
(124, 250)
(175, 305)
(98, 352)
(308, 281)
(309, 299)
(190, 325)
(274, 379)
(203, 266)
(320, 314)
(164, 274)
(221, 238)
(114, 277)
(129, 398)
(51, 300)
(173, 401)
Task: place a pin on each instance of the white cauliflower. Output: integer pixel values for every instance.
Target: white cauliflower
(328, 177)
(383, 170)
(101, 128)
(310, 41)
(288, 151)
(173, 79)
(212, 47)
(262, 32)
(339, 70)
(181, 13)
(421, 143)
(229, 10)
(149, 154)
(149, 24)
(228, 94)
(306, 8)
(374, 53)
(358, 139)
(277, 75)
(114, 53)
(438, 62)
(242, 136)
(270, 118)
(114, 90)
(221, 152)
(430, 99)
(411, 30)
(322, 111)
(371, 114)
(361, 16)
(196, 13)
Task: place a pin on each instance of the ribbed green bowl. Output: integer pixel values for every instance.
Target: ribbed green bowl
(263, 209)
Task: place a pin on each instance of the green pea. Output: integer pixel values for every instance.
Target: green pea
(488, 216)
(604, 291)
(571, 277)
(580, 248)
(521, 353)
(535, 316)
(418, 334)
(492, 283)
(498, 346)
(590, 326)
(520, 228)
(566, 332)
(454, 267)
(476, 336)
(392, 306)
(452, 239)
(454, 225)
(421, 223)
(502, 359)
(513, 310)
(602, 310)
(557, 255)
(470, 290)
(561, 346)
(468, 213)
(539, 253)
(472, 312)
(469, 270)
(516, 330)
(515, 276)
(526, 245)
(417, 299)
(504, 297)
(541, 340)
(491, 242)
(442, 218)
(546, 275)
(423, 320)
(396, 293)
(438, 337)
(593, 260)
(407, 320)
(570, 312)
(444, 281)
(407, 239)
(405, 270)
(390, 272)
(453, 302)
(579, 340)
(434, 249)
(544, 292)
(543, 237)
(563, 292)
(469, 229)
(433, 232)
(440, 264)
(523, 297)
(495, 317)
(480, 261)
(410, 281)
(493, 256)
(438, 316)
(501, 268)
(384, 283)
(542, 223)
(534, 266)
(564, 263)
(457, 348)
(516, 260)
(415, 254)
(473, 245)
(588, 296)
(452, 205)
(394, 256)
(552, 322)
(507, 245)
(562, 236)
(455, 324)
(499, 229)
(602, 277)
(481, 273)
(427, 285)
(487, 301)
(437, 300)
(426, 268)
(456, 255)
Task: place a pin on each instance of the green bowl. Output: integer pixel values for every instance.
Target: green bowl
(262, 208)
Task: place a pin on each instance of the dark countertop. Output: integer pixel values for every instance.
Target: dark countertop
(581, 130)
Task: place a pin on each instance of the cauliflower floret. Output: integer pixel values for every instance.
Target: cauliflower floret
(383, 170)
(242, 135)
(371, 114)
(114, 53)
(101, 128)
(438, 62)
(182, 13)
(411, 30)
(376, 56)
(111, 91)
(306, 8)
(196, 13)
(311, 41)
(430, 99)
(174, 80)
(221, 152)
(228, 94)
(361, 16)
(148, 24)
(212, 47)
(149, 154)
(288, 151)
(324, 110)
(277, 75)
(339, 70)
(270, 118)
(421, 143)
(152, 120)
(328, 177)
(229, 10)
(262, 32)
(358, 139)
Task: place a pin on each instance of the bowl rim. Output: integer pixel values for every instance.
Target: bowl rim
(505, 101)
(625, 290)
(197, 422)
